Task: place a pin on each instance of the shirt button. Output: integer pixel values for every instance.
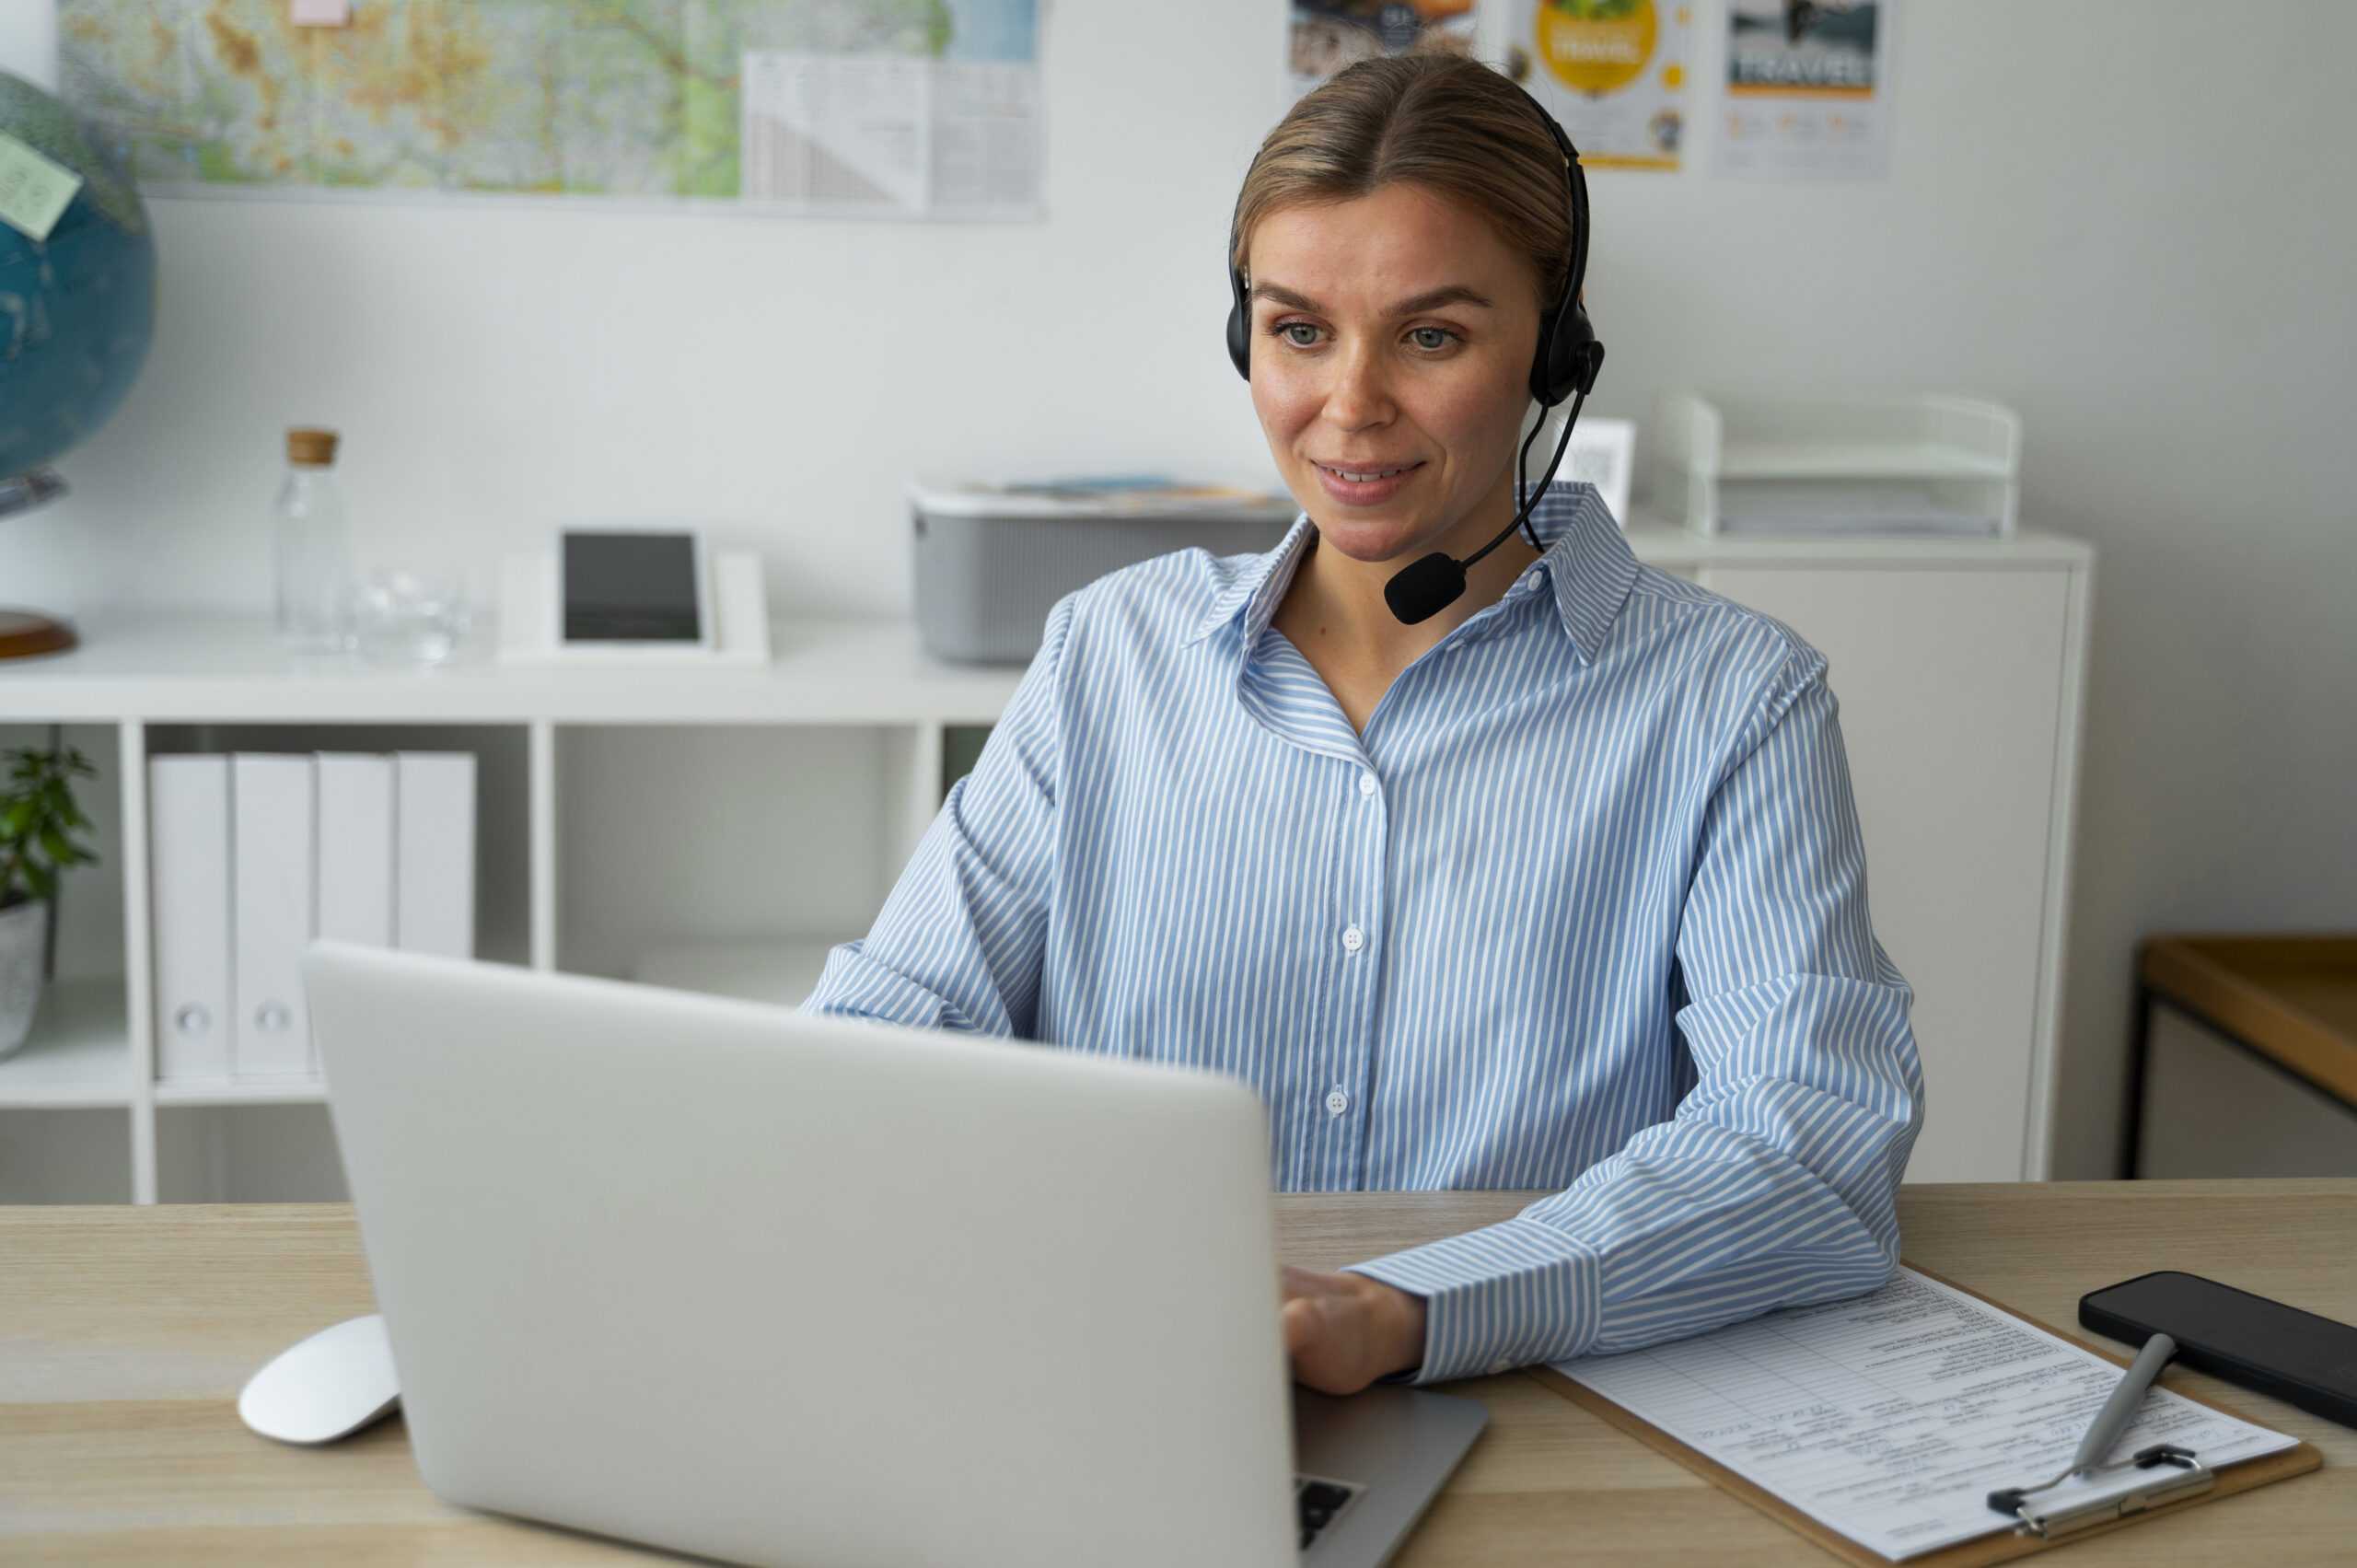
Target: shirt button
(1353, 939)
(1366, 783)
(1336, 1102)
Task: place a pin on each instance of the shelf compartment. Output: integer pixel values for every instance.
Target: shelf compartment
(86, 942)
(671, 836)
(961, 748)
(255, 1153)
(79, 1054)
(56, 1154)
(502, 843)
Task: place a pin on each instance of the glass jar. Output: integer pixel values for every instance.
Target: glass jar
(312, 545)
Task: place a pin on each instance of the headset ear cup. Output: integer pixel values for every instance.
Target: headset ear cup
(1542, 374)
(1239, 327)
(1560, 367)
(1593, 365)
(1568, 357)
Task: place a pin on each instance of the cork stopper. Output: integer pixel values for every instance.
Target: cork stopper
(311, 448)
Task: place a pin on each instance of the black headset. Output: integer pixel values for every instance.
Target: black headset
(1565, 366)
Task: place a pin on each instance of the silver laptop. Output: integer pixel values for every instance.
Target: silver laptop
(713, 1276)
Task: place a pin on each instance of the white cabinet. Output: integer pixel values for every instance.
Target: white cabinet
(1953, 685)
(721, 830)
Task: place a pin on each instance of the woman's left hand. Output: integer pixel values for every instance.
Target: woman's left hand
(1345, 1330)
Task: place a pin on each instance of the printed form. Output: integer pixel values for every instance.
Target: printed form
(1890, 1417)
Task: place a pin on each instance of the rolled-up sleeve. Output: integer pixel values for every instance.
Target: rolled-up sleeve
(958, 943)
(1775, 1184)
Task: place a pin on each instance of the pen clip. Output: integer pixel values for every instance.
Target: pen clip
(2187, 1477)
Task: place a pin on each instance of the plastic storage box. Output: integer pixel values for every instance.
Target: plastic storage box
(992, 561)
(1898, 464)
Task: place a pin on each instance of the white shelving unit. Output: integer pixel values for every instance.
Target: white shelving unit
(720, 830)
(627, 817)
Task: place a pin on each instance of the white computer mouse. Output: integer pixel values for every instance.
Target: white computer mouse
(330, 1385)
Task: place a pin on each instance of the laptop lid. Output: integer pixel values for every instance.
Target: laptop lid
(713, 1275)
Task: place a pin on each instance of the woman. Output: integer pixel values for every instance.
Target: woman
(1561, 888)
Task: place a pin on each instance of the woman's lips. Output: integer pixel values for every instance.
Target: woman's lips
(1366, 493)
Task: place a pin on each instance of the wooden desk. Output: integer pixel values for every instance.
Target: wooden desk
(126, 1333)
(2289, 1004)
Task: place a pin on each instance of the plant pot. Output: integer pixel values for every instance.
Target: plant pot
(24, 929)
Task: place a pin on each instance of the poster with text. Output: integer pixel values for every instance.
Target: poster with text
(1329, 35)
(1807, 89)
(1614, 73)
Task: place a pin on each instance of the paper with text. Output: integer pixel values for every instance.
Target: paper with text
(1891, 1416)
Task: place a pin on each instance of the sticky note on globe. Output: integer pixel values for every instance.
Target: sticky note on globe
(34, 190)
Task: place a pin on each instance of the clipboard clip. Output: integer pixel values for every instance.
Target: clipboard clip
(2185, 1476)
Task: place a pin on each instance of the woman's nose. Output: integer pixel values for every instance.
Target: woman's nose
(1360, 393)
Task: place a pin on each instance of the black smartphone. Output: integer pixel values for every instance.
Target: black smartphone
(2298, 1356)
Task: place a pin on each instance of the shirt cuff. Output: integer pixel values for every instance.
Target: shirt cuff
(855, 986)
(1496, 1299)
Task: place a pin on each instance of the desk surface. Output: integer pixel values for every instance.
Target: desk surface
(126, 1333)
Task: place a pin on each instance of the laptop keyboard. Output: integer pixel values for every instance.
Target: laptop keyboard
(1318, 1501)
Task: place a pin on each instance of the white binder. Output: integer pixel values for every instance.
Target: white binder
(355, 851)
(273, 812)
(188, 810)
(355, 848)
(434, 853)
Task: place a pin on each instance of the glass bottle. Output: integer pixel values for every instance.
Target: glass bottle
(312, 544)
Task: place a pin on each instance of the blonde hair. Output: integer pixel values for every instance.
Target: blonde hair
(1450, 124)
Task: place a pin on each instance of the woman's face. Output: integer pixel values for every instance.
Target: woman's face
(1392, 331)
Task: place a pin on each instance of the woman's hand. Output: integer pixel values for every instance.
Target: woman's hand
(1345, 1330)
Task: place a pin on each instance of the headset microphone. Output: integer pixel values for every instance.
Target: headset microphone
(1423, 591)
(1566, 364)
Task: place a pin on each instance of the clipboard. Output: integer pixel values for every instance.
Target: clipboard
(2003, 1545)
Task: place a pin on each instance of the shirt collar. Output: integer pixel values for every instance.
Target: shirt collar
(1586, 560)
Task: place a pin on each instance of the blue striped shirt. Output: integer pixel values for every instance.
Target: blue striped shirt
(1584, 908)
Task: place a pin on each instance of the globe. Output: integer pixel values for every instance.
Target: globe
(78, 310)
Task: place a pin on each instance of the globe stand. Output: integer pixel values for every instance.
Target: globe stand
(25, 634)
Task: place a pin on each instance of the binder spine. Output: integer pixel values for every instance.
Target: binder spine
(434, 881)
(273, 813)
(194, 1022)
(355, 858)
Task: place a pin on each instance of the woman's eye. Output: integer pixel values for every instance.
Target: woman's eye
(1430, 340)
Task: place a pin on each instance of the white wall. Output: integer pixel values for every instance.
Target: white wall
(2131, 219)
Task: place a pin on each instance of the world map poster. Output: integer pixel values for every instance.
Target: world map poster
(921, 108)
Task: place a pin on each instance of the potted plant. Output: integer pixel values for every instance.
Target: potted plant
(39, 818)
